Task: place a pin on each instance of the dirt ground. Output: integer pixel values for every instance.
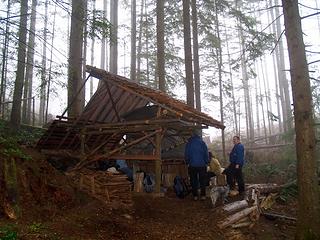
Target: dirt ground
(153, 218)
(50, 211)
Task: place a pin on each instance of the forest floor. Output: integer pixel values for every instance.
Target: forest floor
(48, 210)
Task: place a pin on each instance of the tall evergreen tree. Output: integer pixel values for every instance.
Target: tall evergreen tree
(308, 195)
(139, 50)
(27, 91)
(195, 45)
(114, 36)
(160, 45)
(133, 65)
(104, 52)
(4, 62)
(18, 85)
(44, 68)
(283, 81)
(92, 45)
(75, 96)
(188, 53)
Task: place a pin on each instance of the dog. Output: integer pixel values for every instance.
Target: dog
(219, 193)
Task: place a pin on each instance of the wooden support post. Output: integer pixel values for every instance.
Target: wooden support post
(81, 182)
(107, 194)
(33, 111)
(158, 162)
(93, 190)
(83, 138)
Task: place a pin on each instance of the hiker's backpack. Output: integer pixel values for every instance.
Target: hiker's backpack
(180, 187)
(149, 183)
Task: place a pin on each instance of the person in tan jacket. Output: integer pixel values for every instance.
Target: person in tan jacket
(214, 165)
(214, 168)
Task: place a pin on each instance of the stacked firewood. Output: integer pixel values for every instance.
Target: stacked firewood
(242, 213)
(112, 188)
(245, 213)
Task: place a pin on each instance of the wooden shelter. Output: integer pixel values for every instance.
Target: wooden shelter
(124, 120)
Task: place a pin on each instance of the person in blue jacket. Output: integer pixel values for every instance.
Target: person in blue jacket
(197, 159)
(121, 165)
(234, 170)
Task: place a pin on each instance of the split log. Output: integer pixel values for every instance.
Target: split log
(234, 234)
(268, 201)
(242, 224)
(168, 179)
(231, 207)
(237, 216)
(253, 196)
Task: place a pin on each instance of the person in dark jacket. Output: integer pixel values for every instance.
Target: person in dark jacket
(197, 159)
(234, 170)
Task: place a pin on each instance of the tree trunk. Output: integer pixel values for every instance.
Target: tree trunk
(140, 43)
(275, 62)
(263, 112)
(4, 63)
(50, 64)
(133, 65)
(308, 195)
(187, 52)
(268, 95)
(160, 45)
(234, 107)
(257, 97)
(84, 53)
(245, 81)
(114, 37)
(103, 61)
(147, 48)
(3, 189)
(284, 88)
(44, 68)
(18, 85)
(219, 61)
(92, 46)
(75, 101)
(196, 54)
(27, 91)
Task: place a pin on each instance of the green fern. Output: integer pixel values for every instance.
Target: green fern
(8, 233)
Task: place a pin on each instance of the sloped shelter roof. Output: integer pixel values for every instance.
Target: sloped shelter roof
(122, 96)
(123, 117)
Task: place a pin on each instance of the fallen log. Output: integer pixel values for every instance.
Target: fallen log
(237, 216)
(231, 207)
(273, 216)
(254, 215)
(265, 187)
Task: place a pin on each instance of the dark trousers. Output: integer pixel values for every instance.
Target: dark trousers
(235, 175)
(198, 176)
